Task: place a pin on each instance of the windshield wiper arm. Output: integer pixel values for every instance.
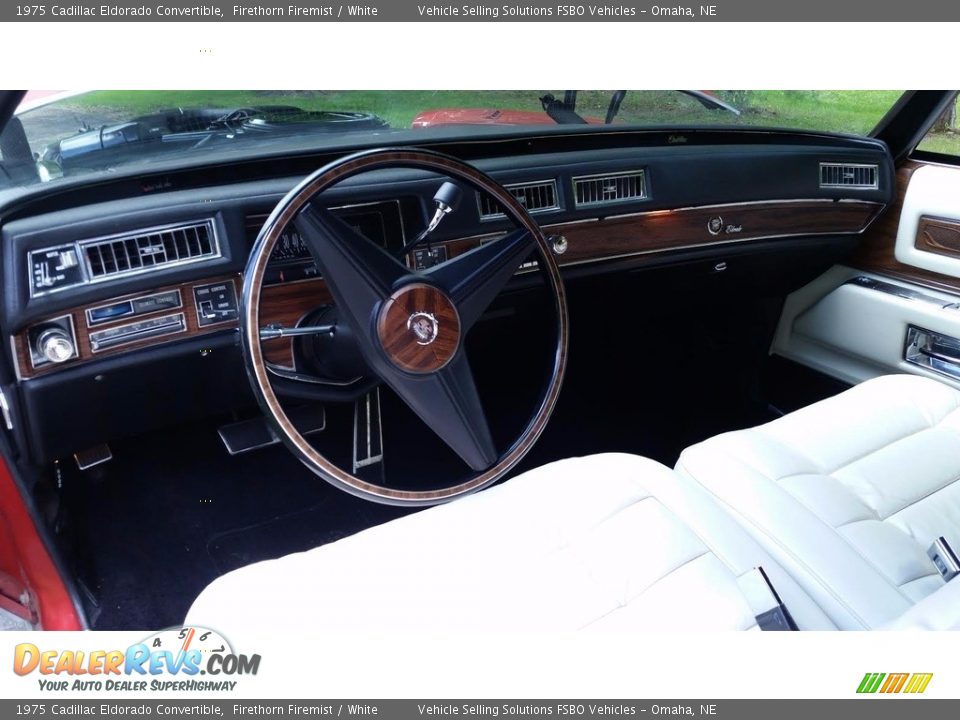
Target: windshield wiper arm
(563, 111)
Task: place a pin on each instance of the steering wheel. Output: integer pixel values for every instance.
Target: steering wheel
(408, 326)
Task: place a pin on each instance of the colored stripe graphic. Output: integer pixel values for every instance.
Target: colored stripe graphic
(870, 682)
(893, 683)
(918, 683)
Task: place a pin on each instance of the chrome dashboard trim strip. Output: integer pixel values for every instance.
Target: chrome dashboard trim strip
(146, 334)
(900, 291)
(5, 411)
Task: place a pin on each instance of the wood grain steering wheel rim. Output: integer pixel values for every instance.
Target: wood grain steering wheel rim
(296, 207)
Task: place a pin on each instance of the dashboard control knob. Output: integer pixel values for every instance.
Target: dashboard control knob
(559, 244)
(56, 345)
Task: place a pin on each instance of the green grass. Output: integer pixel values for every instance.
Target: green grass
(397, 108)
(848, 111)
(943, 142)
(946, 143)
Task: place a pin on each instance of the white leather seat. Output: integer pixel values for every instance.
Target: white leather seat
(849, 493)
(940, 610)
(607, 542)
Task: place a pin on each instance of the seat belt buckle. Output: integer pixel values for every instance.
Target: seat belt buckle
(768, 609)
(944, 559)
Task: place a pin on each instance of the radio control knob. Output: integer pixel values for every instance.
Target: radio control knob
(56, 345)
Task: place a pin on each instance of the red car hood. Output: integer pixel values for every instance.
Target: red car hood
(485, 116)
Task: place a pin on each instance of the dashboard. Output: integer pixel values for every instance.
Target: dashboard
(108, 297)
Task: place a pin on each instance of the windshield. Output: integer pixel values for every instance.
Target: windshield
(55, 135)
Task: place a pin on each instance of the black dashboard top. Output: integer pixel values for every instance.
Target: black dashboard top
(681, 169)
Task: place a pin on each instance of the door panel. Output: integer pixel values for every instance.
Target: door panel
(877, 251)
(26, 563)
(928, 234)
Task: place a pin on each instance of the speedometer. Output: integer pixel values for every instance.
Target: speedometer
(290, 247)
(381, 222)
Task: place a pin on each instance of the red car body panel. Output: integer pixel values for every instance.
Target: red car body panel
(486, 116)
(496, 116)
(25, 563)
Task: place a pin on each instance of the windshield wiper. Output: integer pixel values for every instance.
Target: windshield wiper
(562, 112)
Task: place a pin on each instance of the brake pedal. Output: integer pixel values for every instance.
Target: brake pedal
(91, 457)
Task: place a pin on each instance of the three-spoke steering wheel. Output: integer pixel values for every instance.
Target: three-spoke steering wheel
(409, 326)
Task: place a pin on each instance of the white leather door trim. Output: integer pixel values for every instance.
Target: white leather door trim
(934, 190)
(854, 333)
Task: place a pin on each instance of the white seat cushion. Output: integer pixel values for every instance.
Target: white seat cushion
(606, 542)
(939, 610)
(848, 493)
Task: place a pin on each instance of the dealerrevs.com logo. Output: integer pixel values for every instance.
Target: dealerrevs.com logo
(180, 659)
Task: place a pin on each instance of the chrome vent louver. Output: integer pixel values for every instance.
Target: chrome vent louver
(534, 196)
(591, 190)
(849, 175)
(144, 250)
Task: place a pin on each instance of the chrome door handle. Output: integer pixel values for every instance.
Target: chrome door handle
(942, 357)
(932, 351)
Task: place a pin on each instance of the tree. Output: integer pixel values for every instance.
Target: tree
(947, 122)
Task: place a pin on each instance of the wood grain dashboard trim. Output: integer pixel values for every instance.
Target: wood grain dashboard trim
(281, 304)
(285, 305)
(82, 331)
(588, 241)
(620, 237)
(623, 236)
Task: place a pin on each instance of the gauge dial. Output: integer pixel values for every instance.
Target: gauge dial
(290, 248)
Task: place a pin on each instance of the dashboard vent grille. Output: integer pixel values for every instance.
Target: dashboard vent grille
(158, 247)
(848, 175)
(611, 188)
(535, 197)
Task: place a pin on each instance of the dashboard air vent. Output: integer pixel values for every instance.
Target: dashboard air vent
(534, 196)
(147, 249)
(593, 190)
(848, 175)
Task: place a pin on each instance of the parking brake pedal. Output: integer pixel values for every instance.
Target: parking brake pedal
(92, 457)
(255, 433)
